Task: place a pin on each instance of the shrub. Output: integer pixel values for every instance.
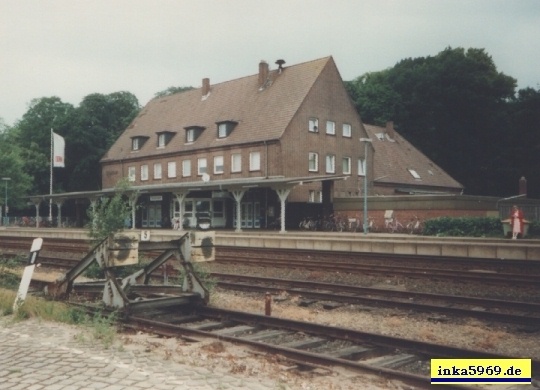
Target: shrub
(464, 227)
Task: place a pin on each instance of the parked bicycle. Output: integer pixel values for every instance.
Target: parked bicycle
(308, 223)
(393, 225)
(415, 226)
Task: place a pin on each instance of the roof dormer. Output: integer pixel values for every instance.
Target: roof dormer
(164, 137)
(138, 141)
(225, 128)
(193, 132)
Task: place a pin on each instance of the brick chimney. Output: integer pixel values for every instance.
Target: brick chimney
(390, 129)
(523, 186)
(205, 86)
(263, 73)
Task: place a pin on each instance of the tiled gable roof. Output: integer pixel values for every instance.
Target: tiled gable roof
(260, 114)
(394, 158)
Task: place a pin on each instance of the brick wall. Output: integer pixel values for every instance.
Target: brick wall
(406, 207)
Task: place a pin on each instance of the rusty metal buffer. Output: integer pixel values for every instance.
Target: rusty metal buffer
(122, 250)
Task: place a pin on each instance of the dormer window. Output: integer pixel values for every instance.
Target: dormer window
(193, 132)
(137, 142)
(164, 137)
(225, 128)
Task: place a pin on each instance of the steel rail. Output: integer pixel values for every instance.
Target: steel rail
(373, 269)
(379, 297)
(238, 327)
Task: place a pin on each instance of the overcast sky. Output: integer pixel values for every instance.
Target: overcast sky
(71, 48)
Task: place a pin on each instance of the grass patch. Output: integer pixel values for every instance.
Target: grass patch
(10, 273)
(34, 307)
(100, 328)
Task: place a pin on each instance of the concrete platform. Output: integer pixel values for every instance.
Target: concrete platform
(490, 248)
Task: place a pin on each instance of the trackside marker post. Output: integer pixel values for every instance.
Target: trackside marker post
(27, 274)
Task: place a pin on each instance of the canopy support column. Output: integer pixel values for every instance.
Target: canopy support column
(59, 204)
(283, 193)
(132, 201)
(180, 197)
(36, 203)
(238, 195)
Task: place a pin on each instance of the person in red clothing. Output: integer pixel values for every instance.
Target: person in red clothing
(516, 222)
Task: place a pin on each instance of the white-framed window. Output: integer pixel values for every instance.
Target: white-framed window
(361, 167)
(190, 135)
(157, 171)
(132, 172)
(313, 162)
(315, 196)
(346, 165)
(218, 164)
(171, 169)
(236, 162)
(347, 130)
(313, 125)
(135, 143)
(161, 140)
(330, 127)
(414, 174)
(222, 130)
(255, 161)
(186, 168)
(144, 172)
(202, 166)
(330, 163)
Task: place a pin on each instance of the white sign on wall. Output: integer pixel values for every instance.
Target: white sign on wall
(145, 235)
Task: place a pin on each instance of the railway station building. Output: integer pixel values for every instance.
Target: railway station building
(265, 151)
(243, 153)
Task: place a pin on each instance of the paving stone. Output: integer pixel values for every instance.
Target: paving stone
(39, 355)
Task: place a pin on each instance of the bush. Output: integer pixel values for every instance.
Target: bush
(464, 227)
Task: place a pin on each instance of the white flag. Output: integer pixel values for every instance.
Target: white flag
(58, 150)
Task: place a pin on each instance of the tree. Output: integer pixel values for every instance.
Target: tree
(171, 91)
(453, 107)
(94, 127)
(33, 135)
(523, 145)
(109, 215)
(12, 166)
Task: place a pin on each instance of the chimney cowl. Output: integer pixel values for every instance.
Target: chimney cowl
(280, 64)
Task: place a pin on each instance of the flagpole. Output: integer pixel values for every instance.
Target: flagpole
(51, 181)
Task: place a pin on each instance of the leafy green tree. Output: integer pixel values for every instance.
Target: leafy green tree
(523, 144)
(12, 166)
(109, 215)
(171, 91)
(33, 135)
(453, 107)
(94, 127)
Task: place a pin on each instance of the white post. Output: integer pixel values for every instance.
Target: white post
(365, 141)
(27, 274)
(51, 181)
(283, 193)
(238, 195)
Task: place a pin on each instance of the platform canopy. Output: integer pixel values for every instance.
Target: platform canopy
(237, 187)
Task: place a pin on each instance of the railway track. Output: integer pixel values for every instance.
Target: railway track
(524, 313)
(307, 344)
(463, 270)
(63, 253)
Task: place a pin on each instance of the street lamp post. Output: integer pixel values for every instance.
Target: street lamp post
(366, 141)
(6, 179)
